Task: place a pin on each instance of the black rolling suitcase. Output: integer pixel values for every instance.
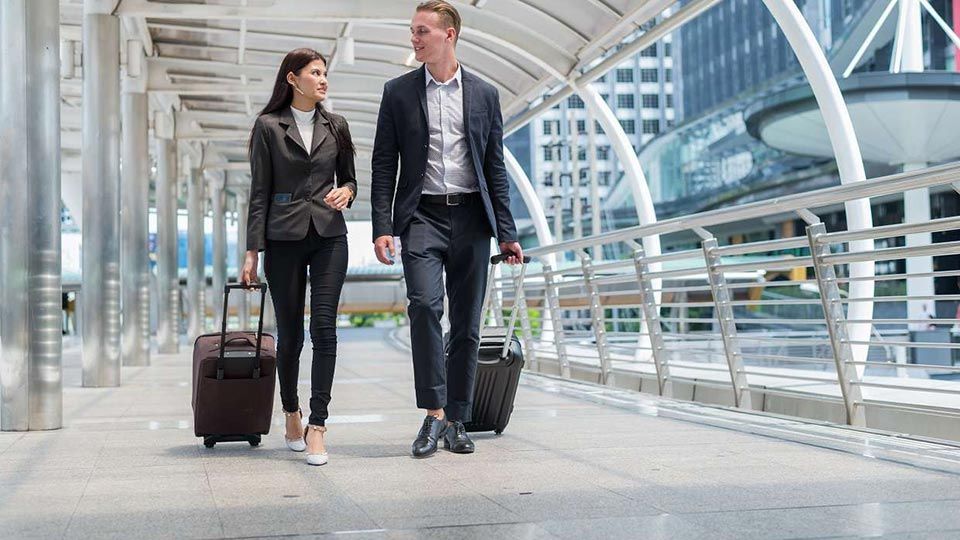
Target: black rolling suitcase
(233, 381)
(498, 369)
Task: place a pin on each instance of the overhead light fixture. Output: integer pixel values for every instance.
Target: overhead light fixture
(345, 50)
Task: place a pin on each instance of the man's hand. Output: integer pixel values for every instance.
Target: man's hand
(513, 251)
(381, 246)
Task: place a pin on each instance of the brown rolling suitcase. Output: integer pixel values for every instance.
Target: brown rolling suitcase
(233, 381)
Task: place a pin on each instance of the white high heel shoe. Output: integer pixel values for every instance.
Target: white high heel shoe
(316, 459)
(297, 445)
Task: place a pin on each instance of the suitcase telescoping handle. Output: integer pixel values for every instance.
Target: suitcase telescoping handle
(223, 328)
(495, 260)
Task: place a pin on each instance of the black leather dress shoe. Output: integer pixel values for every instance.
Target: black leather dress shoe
(426, 443)
(456, 439)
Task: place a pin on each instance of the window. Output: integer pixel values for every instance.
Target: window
(603, 153)
(625, 101)
(547, 127)
(667, 49)
(548, 153)
(582, 154)
(603, 178)
(605, 97)
(624, 75)
(669, 101)
(548, 179)
(574, 102)
(584, 173)
(629, 126)
(651, 101)
(668, 75)
(651, 126)
(581, 127)
(602, 79)
(648, 75)
(649, 52)
(597, 128)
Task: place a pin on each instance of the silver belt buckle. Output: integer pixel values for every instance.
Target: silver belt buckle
(451, 199)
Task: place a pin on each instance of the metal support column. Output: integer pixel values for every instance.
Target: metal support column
(100, 293)
(728, 326)
(651, 314)
(242, 197)
(218, 201)
(598, 319)
(847, 375)
(30, 303)
(168, 279)
(196, 275)
(135, 199)
(553, 303)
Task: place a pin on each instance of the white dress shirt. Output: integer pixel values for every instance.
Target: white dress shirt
(449, 169)
(305, 121)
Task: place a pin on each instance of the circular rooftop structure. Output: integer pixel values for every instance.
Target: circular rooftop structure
(898, 117)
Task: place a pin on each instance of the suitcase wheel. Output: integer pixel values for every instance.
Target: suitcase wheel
(254, 441)
(498, 431)
(209, 442)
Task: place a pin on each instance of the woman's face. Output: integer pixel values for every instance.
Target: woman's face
(311, 81)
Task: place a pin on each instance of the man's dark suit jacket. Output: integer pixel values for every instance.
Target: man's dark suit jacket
(288, 183)
(402, 131)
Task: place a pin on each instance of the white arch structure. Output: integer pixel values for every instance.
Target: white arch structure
(849, 161)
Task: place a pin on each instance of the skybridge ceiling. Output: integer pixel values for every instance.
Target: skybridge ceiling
(214, 62)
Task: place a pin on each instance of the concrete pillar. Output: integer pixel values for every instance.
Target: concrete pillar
(168, 280)
(916, 209)
(30, 324)
(218, 200)
(100, 296)
(196, 276)
(596, 212)
(243, 206)
(575, 178)
(134, 202)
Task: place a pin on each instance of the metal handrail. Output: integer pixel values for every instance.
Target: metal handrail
(717, 308)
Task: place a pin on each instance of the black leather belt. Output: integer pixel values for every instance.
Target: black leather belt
(451, 199)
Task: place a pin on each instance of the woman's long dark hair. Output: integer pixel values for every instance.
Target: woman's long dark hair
(282, 96)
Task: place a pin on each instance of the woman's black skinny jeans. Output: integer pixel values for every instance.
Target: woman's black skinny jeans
(286, 265)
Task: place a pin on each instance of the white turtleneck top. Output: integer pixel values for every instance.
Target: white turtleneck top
(305, 121)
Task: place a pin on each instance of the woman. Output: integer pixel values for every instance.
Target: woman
(303, 176)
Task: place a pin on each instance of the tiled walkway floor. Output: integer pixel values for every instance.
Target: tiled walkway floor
(127, 465)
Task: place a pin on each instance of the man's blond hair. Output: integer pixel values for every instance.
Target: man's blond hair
(449, 16)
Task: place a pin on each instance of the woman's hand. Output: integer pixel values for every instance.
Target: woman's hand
(338, 198)
(248, 276)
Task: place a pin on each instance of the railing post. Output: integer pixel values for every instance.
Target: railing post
(836, 325)
(553, 303)
(651, 313)
(728, 326)
(599, 322)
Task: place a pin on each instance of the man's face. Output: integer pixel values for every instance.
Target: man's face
(430, 40)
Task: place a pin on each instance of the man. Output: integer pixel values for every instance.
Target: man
(445, 126)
